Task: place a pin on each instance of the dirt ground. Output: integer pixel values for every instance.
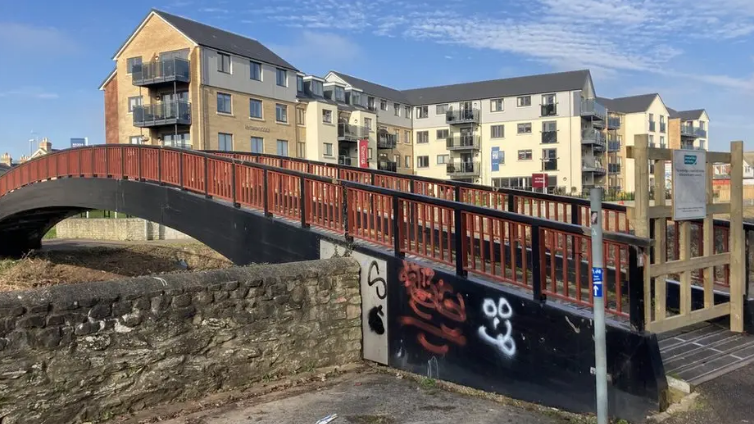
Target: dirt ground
(86, 263)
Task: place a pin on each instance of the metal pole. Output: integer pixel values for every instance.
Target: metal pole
(599, 304)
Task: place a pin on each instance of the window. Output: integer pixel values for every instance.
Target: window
(662, 119)
(299, 83)
(442, 134)
(662, 141)
(133, 64)
(356, 98)
(223, 103)
(701, 144)
(383, 104)
(651, 140)
(317, 88)
(702, 124)
(524, 128)
(407, 136)
(133, 102)
(282, 148)
(549, 132)
(397, 136)
(301, 116)
(301, 149)
(223, 63)
(136, 139)
(328, 149)
(549, 126)
(397, 160)
(182, 141)
(408, 161)
(281, 113)
(443, 159)
(397, 109)
(370, 153)
(422, 161)
(370, 103)
(549, 159)
(501, 157)
(340, 94)
(651, 117)
(225, 142)
(255, 108)
(496, 105)
(422, 137)
(368, 123)
(523, 101)
(497, 131)
(255, 71)
(524, 155)
(281, 77)
(422, 112)
(327, 116)
(441, 109)
(257, 145)
(407, 111)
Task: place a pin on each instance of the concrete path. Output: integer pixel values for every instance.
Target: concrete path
(369, 398)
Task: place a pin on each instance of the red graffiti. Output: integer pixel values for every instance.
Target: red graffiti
(427, 296)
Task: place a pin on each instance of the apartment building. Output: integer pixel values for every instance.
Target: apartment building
(689, 129)
(181, 83)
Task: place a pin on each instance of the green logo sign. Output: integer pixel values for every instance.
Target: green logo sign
(689, 159)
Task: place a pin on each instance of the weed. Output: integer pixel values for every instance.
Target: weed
(428, 383)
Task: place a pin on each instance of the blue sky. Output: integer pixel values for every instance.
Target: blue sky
(695, 54)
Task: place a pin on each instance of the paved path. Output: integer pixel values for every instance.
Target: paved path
(369, 398)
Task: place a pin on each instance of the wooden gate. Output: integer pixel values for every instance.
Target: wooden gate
(697, 257)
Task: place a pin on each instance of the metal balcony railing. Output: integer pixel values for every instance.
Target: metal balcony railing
(347, 132)
(161, 71)
(549, 137)
(166, 113)
(592, 136)
(464, 116)
(613, 122)
(613, 146)
(591, 108)
(387, 165)
(549, 109)
(592, 166)
(464, 142)
(463, 169)
(386, 140)
(344, 160)
(613, 168)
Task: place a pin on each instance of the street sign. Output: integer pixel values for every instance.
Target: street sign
(597, 282)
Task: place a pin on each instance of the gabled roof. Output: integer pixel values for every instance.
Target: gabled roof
(372, 88)
(631, 104)
(208, 36)
(749, 158)
(109, 77)
(686, 115)
(533, 84)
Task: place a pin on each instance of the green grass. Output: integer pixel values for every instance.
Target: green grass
(51, 234)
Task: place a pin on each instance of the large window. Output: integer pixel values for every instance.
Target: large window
(397, 109)
(301, 149)
(408, 161)
(497, 131)
(317, 88)
(135, 139)
(422, 137)
(524, 155)
(133, 102)
(282, 148)
(224, 103)
(225, 142)
(356, 98)
(443, 159)
(133, 64)
(255, 70)
(383, 104)
(549, 159)
(524, 128)
(523, 101)
(328, 149)
(422, 112)
(370, 103)
(422, 161)
(327, 116)
(340, 94)
(442, 134)
(301, 116)
(299, 83)
(496, 105)
(441, 109)
(281, 113)
(397, 160)
(368, 123)
(407, 136)
(255, 108)
(223, 62)
(181, 141)
(407, 111)
(281, 77)
(257, 145)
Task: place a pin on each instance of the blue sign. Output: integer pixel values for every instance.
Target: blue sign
(689, 159)
(495, 159)
(78, 142)
(597, 282)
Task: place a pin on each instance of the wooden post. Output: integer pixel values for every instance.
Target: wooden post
(737, 248)
(660, 237)
(641, 209)
(708, 240)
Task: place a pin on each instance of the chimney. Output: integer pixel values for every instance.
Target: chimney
(45, 145)
(5, 159)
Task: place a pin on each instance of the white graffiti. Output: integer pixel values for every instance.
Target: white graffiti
(497, 312)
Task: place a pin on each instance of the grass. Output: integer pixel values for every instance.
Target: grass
(53, 233)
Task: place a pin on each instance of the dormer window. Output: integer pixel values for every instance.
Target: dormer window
(356, 98)
(340, 94)
(300, 83)
(317, 88)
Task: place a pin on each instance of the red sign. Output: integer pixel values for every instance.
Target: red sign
(363, 153)
(539, 180)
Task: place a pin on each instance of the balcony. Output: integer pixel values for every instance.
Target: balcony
(663, 127)
(347, 132)
(613, 122)
(652, 126)
(464, 142)
(590, 136)
(549, 137)
(549, 109)
(345, 160)
(613, 168)
(168, 113)
(161, 71)
(386, 140)
(592, 166)
(591, 109)
(549, 164)
(463, 169)
(613, 146)
(460, 117)
(387, 165)
(691, 131)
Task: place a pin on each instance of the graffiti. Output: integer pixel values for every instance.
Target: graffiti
(497, 312)
(375, 320)
(374, 266)
(433, 369)
(427, 297)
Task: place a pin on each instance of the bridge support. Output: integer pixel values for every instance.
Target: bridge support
(18, 243)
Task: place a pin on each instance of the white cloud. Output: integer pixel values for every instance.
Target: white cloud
(29, 92)
(30, 39)
(213, 10)
(325, 48)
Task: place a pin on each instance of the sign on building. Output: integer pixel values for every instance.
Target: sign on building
(495, 159)
(689, 184)
(539, 180)
(363, 153)
(79, 142)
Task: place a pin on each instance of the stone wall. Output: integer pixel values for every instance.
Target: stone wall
(121, 229)
(87, 352)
